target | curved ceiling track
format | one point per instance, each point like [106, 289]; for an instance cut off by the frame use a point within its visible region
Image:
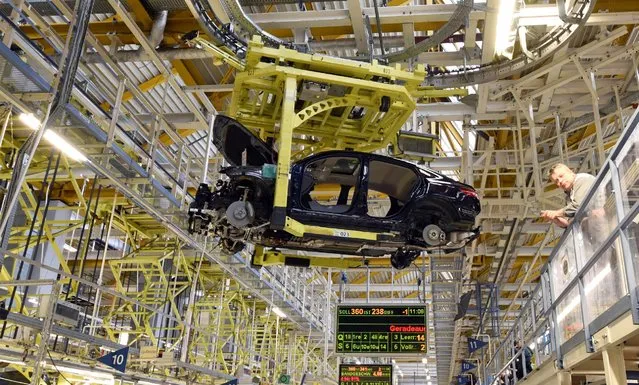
[220, 36]
[561, 10]
[554, 40]
[548, 45]
[236, 13]
[456, 21]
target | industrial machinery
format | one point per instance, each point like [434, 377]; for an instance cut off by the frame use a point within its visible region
[348, 202]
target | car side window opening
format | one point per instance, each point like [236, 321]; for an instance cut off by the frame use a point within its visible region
[389, 188]
[329, 184]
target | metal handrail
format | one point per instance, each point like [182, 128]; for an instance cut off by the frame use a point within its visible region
[547, 323]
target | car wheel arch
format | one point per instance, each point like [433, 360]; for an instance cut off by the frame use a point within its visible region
[444, 211]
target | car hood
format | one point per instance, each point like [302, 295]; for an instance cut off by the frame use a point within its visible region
[232, 139]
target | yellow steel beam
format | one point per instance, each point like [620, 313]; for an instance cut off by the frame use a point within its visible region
[144, 87]
[431, 92]
[445, 128]
[455, 134]
[141, 15]
[276, 258]
[220, 53]
[330, 65]
[177, 26]
[299, 229]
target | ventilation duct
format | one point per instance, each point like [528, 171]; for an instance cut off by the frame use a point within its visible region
[157, 31]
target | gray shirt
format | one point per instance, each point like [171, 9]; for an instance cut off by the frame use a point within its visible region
[575, 197]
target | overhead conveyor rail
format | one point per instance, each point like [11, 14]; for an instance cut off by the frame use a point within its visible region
[586, 304]
[573, 21]
[547, 46]
[220, 35]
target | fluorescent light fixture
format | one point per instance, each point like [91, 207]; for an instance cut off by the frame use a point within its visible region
[430, 383]
[393, 360]
[278, 312]
[504, 38]
[30, 120]
[358, 362]
[64, 146]
[428, 377]
[424, 360]
[56, 140]
[69, 248]
[447, 275]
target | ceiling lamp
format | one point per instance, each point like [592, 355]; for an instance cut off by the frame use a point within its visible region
[56, 140]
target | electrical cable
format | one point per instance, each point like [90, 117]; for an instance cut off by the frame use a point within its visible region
[56, 367]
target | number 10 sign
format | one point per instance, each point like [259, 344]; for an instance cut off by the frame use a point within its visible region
[117, 359]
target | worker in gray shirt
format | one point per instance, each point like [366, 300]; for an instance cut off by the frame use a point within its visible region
[576, 186]
[595, 226]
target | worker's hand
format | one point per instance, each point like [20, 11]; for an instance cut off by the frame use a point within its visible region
[550, 215]
[599, 213]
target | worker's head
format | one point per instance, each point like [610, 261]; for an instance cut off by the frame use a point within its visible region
[562, 176]
[517, 345]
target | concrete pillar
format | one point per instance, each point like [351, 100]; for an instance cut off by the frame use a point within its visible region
[614, 366]
[564, 378]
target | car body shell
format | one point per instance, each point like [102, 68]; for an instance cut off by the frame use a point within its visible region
[428, 197]
[432, 195]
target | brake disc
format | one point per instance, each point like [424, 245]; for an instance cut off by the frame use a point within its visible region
[240, 213]
[434, 235]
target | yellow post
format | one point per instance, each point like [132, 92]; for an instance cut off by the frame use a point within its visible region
[278, 217]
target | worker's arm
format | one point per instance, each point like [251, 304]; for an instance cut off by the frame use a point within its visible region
[551, 215]
[562, 222]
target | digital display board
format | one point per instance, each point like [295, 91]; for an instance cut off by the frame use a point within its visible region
[381, 329]
[366, 375]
